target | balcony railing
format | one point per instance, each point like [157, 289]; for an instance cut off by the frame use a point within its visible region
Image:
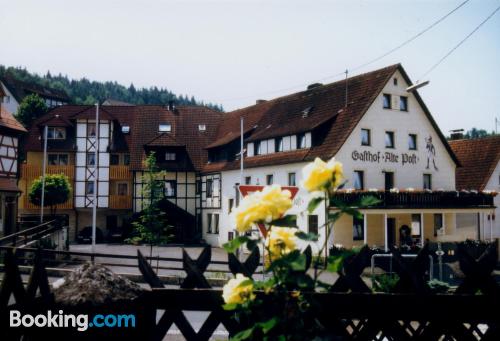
[120, 201]
[119, 172]
[34, 171]
[419, 199]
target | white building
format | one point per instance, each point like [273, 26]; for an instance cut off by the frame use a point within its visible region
[480, 171]
[385, 137]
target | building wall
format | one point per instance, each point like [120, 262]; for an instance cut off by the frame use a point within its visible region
[494, 184]
[9, 102]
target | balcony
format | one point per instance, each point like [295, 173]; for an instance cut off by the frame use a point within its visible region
[119, 173]
[31, 172]
[419, 199]
[120, 201]
[68, 205]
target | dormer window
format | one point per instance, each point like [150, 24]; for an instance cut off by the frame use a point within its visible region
[258, 148]
[165, 127]
[202, 127]
[169, 156]
[301, 141]
[56, 133]
[125, 129]
[278, 144]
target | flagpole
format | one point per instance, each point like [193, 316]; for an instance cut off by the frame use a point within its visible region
[96, 155]
[45, 133]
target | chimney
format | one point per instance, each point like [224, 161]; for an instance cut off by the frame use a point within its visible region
[456, 134]
[314, 85]
[259, 101]
[171, 105]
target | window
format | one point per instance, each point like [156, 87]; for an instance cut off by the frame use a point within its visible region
[386, 100]
[126, 159]
[58, 159]
[359, 181]
[427, 181]
[415, 224]
[202, 127]
[91, 130]
[210, 187]
[125, 129]
[301, 141]
[209, 222]
[358, 229]
[269, 179]
[258, 148]
[278, 144]
[122, 188]
[312, 223]
[291, 179]
[403, 103]
[114, 159]
[198, 187]
[389, 180]
[164, 127]
[90, 159]
[56, 133]
[412, 141]
[248, 180]
[230, 205]
[438, 223]
[169, 156]
[389, 139]
[365, 137]
[216, 223]
[395, 81]
[169, 189]
[89, 187]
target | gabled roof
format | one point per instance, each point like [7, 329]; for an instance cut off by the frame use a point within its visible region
[2, 93]
[20, 89]
[478, 157]
[110, 101]
[322, 106]
[7, 120]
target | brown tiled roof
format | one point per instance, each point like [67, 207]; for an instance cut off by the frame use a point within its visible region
[478, 157]
[143, 122]
[7, 120]
[322, 106]
[2, 93]
[20, 89]
[8, 185]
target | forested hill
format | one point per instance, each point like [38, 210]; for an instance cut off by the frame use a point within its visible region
[84, 91]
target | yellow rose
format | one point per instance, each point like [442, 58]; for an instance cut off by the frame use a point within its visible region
[262, 207]
[236, 291]
[281, 240]
[320, 175]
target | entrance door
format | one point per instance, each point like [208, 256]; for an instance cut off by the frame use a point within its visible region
[111, 222]
[391, 231]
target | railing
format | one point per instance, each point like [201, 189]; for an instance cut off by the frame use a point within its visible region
[119, 172]
[68, 205]
[418, 199]
[120, 201]
[30, 172]
[24, 237]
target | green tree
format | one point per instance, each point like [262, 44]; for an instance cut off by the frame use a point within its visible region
[151, 227]
[57, 191]
[31, 107]
[475, 133]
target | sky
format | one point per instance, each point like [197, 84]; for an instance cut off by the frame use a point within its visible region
[235, 52]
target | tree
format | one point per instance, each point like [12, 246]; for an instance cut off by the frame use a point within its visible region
[475, 133]
[31, 107]
[151, 227]
[57, 191]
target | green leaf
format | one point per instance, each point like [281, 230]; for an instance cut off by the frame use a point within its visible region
[245, 283]
[268, 325]
[232, 245]
[299, 264]
[313, 203]
[307, 236]
[369, 201]
[229, 306]
[251, 244]
[286, 221]
[333, 217]
[334, 263]
[244, 334]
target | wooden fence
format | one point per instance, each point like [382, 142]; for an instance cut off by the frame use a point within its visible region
[349, 311]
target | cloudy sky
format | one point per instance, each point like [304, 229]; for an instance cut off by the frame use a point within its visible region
[234, 52]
